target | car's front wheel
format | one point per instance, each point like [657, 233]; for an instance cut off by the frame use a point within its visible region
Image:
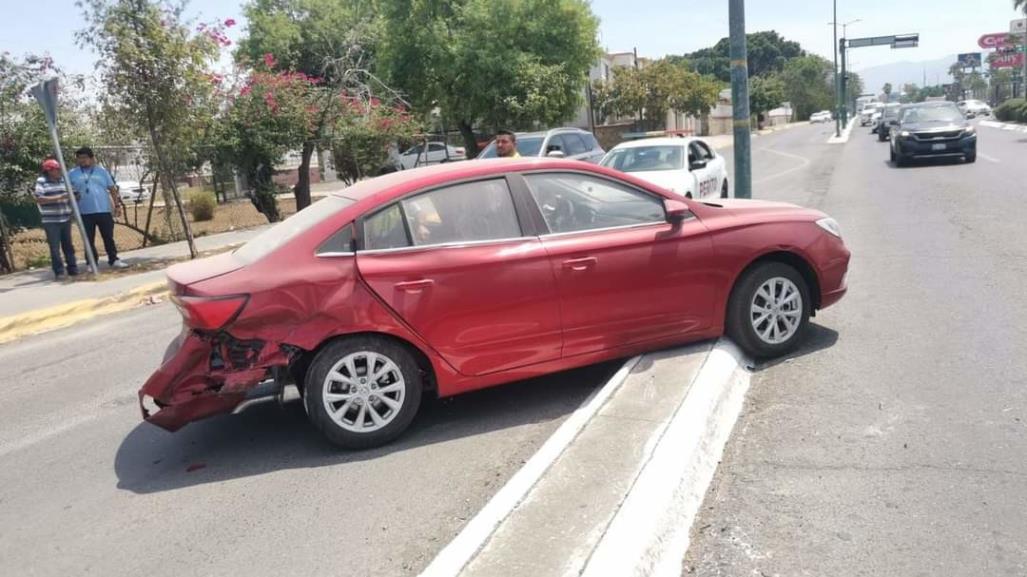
[769, 310]
[724, 190]
[362, 392]
[972, 155]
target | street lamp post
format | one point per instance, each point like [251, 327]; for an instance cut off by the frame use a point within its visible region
[839, 79]
[740, 100]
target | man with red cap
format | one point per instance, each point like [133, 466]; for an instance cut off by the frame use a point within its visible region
[55, 208]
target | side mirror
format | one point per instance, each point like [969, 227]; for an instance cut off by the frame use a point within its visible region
[677, 210]
[556, 153]
[697, 164]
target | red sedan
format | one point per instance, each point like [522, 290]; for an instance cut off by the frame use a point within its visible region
[452, 278]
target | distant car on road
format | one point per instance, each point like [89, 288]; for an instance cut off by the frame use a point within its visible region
[867, 114]
[572, 143]
[932, 129]
[687, 166]
[974, 108]
[889, 119]
[435, 153]
[466, 275]
[875, 122]
[822, 116]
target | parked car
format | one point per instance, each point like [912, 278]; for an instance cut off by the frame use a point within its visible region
[434, 153]
[133, 191]
[822, 116]
[686, 166]
[932, 129]
[462, 276]
[572, 143]
[889, 119]
[974, 108]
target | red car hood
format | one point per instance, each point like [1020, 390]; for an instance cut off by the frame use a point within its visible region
[749, 207]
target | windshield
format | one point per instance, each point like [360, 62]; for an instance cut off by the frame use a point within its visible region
[526, 146]
[646, 158]
[932, 114]
[266, 242]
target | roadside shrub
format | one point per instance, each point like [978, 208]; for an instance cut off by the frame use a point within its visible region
[202, 205]
[1012, 110]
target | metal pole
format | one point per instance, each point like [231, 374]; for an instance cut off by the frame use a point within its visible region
[845, 108]
[71, 199]
[740, 100]
[837, 89]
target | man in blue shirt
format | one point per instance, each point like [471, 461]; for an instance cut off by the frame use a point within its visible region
[97, 196]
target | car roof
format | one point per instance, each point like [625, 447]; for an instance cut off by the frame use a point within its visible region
[543, 133]
[657, 141]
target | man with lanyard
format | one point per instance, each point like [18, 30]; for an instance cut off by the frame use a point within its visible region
[55, 209]
[97, 196]
[506, 144]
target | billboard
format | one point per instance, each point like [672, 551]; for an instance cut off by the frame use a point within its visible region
[1018, 26]
[1006, 60]
[969, 60]
[995, 41]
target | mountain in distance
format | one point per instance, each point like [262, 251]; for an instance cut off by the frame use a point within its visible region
[900, 73]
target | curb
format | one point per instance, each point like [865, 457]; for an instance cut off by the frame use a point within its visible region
[62, 316]
[846, 133]
[1004, 125]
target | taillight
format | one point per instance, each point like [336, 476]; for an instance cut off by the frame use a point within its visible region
[210, 313]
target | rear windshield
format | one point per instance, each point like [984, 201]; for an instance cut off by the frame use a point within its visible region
[526, 146]
[646, 158]
[278, 235]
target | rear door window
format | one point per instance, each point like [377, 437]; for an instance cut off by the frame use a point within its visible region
[475, 211]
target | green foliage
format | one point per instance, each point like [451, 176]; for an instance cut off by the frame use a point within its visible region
[504, 64]
[202, 205]
[808, 84]
[1012, 110]
[765, 93]
[362, 137]
[768, 52]
[655, 89]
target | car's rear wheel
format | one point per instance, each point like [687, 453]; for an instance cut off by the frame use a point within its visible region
[362, 392]
[769, 310]
[724, 190]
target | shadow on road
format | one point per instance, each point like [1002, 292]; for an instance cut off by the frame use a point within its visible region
[818, 338]
[266, 438]
[920, 162]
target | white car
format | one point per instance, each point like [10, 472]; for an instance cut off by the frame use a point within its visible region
[822, 116]
[687, 166]
[132, 191]
[974, 108]
[436, 153]
[866, 115]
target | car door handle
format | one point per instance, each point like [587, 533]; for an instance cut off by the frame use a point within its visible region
[580, 264]
[414, 286]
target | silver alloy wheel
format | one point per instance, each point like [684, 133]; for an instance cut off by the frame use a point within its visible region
[776, 310]
[364, 392]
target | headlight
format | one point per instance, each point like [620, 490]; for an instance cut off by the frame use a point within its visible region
[904, 134]
[970, 130]
[831, 226]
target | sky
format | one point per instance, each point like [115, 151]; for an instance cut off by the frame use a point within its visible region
[654, 27]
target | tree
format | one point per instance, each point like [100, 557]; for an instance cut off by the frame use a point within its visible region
[320, 39]
[655, 89]
[808, 85]
[501, 64]
[765, 94]
[854, 88]
[886, 89]
[155, 70]
[768, 52]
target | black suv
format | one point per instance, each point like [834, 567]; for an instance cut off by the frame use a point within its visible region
[932, 129]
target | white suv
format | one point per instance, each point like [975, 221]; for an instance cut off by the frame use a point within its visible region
[572, 143]
[973, 108]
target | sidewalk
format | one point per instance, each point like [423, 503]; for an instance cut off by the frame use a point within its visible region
[36, 290]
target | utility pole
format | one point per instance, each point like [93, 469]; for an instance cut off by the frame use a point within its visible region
[837, 84]
[740, 99]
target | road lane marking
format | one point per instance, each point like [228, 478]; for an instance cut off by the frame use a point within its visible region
[988, 158]
[805, 162]
[455, 556]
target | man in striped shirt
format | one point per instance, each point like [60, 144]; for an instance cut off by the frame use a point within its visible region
[55, 208]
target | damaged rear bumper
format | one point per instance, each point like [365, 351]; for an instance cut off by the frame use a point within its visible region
[204, 375]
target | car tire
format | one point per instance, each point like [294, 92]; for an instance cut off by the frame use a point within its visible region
[774, 333]
[891, 151]
[724, 190]
[972, 156]
[357, 398]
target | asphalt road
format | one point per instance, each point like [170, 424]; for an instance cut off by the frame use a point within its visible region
[895, 442]
[86, 488]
